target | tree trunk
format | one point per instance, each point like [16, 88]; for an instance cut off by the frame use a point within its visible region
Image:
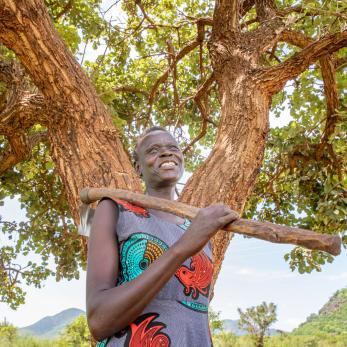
[85, 146]
[90, 154]
[260, 341]
[229, 172]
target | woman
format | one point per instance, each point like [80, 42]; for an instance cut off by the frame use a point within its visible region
[149, 271]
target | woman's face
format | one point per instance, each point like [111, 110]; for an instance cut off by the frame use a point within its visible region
[160, 160]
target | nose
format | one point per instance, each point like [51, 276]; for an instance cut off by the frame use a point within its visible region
[165, 152]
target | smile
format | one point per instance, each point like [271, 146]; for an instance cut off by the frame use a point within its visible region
[168, 164]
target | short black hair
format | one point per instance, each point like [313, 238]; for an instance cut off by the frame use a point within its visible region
[142, 136]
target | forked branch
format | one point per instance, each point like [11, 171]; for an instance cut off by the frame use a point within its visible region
[273, 79]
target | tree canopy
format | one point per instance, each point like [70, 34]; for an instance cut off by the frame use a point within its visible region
[257, 320]
[153, 62]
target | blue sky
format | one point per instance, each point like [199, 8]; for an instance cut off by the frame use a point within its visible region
[253, 271]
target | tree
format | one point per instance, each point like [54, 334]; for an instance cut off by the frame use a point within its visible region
[216, 324]
[257, 319]
[8, 333]
[211, 72]
[76, 334]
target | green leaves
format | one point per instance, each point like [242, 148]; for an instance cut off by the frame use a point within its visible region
[330, 320]
[303, 181]
[214, 320]
[257, 319]
[305, 261]
[76, 334]
[48, 230]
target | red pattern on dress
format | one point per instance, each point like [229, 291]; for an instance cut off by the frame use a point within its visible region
[133, 208]
[145, 334]
[198, 277]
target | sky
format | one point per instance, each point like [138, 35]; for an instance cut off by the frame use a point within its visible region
[253, 271]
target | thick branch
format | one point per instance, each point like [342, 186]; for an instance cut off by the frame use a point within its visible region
[330, 88]
[22, 108]
[22, 113]
[295, 38]
[75, 108]
[327, 67]
[27, 29]
[271, 26]
[19, 149]
[273, 79]
[331, 94]
[226, 18]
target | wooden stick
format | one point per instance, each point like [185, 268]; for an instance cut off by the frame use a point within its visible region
[261, 230]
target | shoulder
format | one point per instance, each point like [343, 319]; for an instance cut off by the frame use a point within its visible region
[106, 213]
[108, 204]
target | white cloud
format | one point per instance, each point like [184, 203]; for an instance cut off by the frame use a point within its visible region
[253, 273]
[337, 277]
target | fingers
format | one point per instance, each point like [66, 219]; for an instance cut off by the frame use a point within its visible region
[220, 213]
[229, 218]
[224, 210]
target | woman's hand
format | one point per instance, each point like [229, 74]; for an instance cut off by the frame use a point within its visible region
[206, 223]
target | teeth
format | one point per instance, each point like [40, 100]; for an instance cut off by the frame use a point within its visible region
[168, 164]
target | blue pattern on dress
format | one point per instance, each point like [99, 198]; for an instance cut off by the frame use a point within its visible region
[138, 252]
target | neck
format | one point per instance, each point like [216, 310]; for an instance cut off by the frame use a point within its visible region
[167, 192]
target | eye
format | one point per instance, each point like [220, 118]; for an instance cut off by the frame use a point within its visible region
[153, 150]
[174, 148]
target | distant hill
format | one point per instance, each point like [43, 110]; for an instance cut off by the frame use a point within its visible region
[331, 319]
[50, 326]
[232, 326]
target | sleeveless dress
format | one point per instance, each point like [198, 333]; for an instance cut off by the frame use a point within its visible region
[178, 315]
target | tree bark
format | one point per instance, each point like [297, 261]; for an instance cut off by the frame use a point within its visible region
[229, 172]
[85, 146]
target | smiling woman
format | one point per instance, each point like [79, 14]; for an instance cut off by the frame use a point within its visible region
[158, 160]
[149, 271]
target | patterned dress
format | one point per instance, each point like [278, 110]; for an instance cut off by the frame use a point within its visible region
[177, 316]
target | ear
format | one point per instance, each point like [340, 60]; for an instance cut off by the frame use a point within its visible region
[138, 168]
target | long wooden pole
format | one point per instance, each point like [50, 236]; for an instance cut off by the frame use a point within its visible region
[261, 230]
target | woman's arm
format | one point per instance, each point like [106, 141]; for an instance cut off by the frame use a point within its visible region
[110, 308]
